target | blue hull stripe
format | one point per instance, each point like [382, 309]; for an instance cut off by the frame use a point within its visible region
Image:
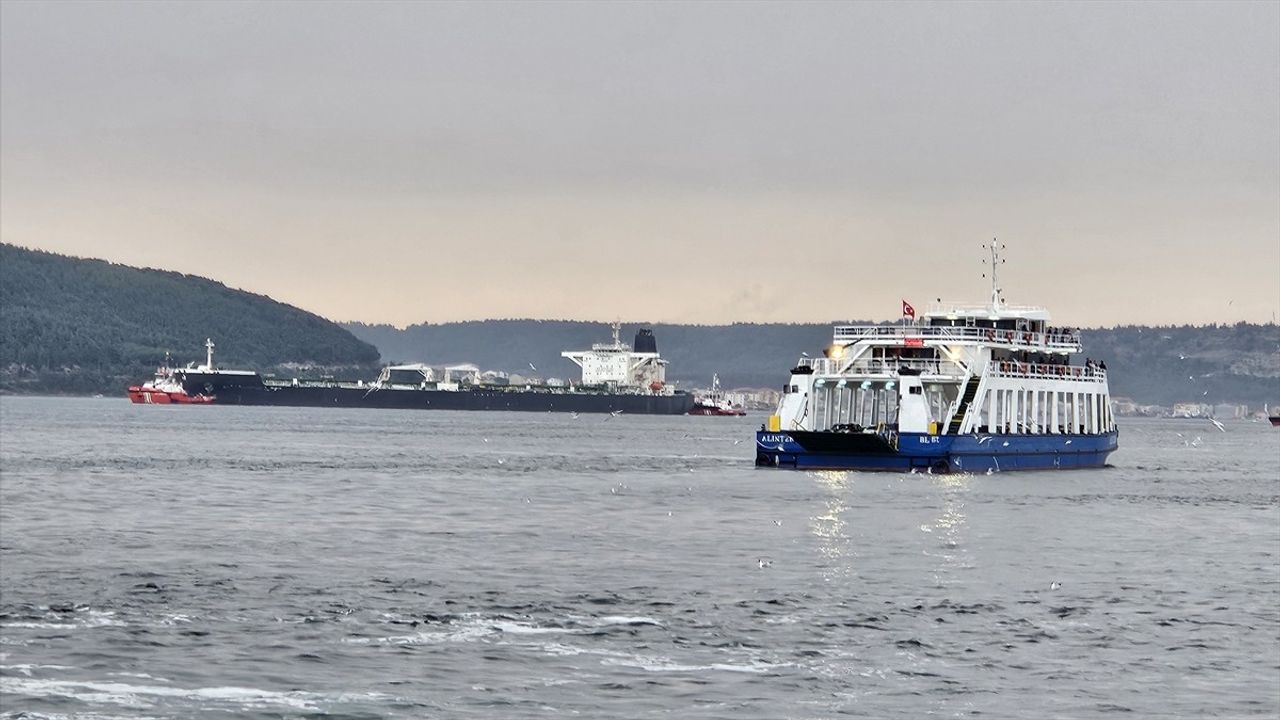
[941, 453]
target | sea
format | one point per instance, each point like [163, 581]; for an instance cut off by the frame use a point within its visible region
[243, 562]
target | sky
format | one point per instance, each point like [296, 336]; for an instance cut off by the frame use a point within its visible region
[671, 162]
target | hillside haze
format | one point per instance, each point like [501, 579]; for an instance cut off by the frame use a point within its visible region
[79, 325]
[70, 325]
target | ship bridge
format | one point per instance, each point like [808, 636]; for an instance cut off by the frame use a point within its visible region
[615, 364]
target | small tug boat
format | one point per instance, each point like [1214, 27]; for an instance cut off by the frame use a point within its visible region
[166, 388]
[714, 402]
[966, 388]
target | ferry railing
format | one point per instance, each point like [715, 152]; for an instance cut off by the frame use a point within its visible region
[836, 366]
[1043, 371]
[1057, 340]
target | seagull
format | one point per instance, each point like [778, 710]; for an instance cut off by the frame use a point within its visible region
[1055, 585]
[778, 523]
[990, 471]
[762, 563]
[1181, 356]
[531, 367]
[804, 354]
[984, 439]
[739, 440]
[574, 414]
[1068, 442]
[486, 439]
[501, 461]
[1006, 443]
[615, 413]
[1217, 424]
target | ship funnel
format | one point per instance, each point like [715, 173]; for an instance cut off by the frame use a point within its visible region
[645, 342]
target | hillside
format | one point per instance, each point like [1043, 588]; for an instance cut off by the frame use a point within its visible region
[1153, 365]
[72, 325]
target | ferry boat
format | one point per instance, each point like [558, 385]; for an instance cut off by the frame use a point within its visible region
[615, 379]
[714, 402]
[963, 388]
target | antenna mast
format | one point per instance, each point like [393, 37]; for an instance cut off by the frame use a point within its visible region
[996, 300]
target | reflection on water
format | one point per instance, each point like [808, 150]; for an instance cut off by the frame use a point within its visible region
[949, 526]
[830, 526]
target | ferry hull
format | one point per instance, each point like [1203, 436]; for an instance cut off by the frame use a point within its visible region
[921, 452]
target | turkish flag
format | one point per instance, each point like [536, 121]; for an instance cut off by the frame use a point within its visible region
[907, 310]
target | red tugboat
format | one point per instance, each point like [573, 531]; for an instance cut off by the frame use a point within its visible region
[166, 388]
[714, 402]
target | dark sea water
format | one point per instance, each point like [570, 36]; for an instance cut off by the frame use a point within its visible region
[264, 562]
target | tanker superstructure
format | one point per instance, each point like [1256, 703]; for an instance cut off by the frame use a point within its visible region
[965, 388]
[615, 379]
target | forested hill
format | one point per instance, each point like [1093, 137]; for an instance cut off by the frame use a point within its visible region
[1153, 365]
[79, 326]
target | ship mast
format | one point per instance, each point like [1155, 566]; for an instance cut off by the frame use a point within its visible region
[208, 343]
[996, 300]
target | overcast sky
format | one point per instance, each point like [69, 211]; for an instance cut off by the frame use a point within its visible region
[697, 162]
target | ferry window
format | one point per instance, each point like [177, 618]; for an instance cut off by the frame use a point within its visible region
[917, 390]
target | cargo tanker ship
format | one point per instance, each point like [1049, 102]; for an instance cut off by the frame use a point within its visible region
[616, 378]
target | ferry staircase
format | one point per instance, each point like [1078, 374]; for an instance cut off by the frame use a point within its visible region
[957, 418]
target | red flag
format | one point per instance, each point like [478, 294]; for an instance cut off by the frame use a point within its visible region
[907, 310]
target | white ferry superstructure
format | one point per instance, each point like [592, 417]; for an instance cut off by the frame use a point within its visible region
[963, 388]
